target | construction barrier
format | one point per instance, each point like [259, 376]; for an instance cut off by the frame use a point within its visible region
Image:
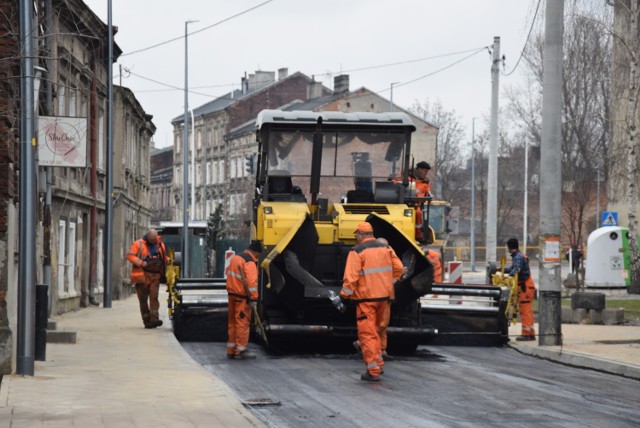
[455, 272]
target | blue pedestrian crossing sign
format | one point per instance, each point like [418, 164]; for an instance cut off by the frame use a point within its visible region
[609, 218]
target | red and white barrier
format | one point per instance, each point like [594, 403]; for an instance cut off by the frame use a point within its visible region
[455, 272]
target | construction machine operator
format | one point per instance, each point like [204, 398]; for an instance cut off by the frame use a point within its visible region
[368, 280]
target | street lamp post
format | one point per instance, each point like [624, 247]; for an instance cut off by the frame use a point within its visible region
[185, 159]
[473, 196]
[391, 96]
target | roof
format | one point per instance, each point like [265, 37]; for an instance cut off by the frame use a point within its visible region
[301, 117]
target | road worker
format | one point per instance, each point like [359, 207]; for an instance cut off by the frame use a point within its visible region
[526, 289]
[436, 260]
[149, 259]
[242, 291]
[423, 190]
[368, 281]
[382, 327]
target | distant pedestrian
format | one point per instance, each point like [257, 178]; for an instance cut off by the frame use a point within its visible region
[369, 273]
[574, 255]
[526, 289]
[149, 259]
[242, 291]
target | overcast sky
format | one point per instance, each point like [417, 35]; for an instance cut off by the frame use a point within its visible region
[375, 42]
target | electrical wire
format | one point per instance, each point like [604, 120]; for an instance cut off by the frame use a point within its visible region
[197, 31]
[373, 67]
[438, 70]
[535, 15]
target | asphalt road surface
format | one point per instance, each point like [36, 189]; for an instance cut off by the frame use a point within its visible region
[436, 387]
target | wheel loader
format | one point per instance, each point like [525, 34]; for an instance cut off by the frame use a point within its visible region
[319, 174]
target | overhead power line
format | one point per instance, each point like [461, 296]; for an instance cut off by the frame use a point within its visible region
[526, 41]
[372, 67]
[197, 31]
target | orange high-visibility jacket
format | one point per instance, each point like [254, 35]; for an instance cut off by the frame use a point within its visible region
[243, 267]
[369, 272]
[436, 260]
[139, 251]
[423, 188]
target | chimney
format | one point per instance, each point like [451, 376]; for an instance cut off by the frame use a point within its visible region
[260, 79]
[314, 90]
[282, 73]
[341, 84]
[244, 84]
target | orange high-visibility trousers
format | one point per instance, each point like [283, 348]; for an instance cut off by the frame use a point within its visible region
[382, 327]
[369, 316]
[525, 298]
[239, 321]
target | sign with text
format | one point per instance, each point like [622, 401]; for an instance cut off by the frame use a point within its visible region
[62, 141]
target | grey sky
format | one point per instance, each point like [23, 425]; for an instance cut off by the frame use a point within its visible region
[320, 38]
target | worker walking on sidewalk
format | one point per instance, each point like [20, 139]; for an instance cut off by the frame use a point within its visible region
[149, 258]
[368, 281]
[526, 289]
[242, 290]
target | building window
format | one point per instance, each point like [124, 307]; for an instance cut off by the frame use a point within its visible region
[62, 97]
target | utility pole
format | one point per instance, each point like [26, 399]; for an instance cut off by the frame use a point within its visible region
[27, 252]
[550, 333]
[526, 197]
[472, 217]
[108, 215]
[492, 185]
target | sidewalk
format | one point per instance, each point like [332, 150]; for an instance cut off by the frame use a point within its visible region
[608, 348]
[119, 374]
[612, 349]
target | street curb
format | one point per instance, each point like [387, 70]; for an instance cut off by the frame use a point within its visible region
[556, 354]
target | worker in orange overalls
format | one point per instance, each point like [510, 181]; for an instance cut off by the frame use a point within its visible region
[526, 289]
[368, 281]
[242, 291]
[436, 260]
[423, 190]
[384, 323]
[149, 258]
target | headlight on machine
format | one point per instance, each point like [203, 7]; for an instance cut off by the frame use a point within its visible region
[268, 210]
[408, 213]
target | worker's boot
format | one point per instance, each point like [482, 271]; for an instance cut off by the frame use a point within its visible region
[146, 320]
[369, 377]
[245, 355]
[526, 338]
[154, 319]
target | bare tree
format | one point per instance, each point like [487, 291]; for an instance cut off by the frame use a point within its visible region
[586, 115]
[625, 104]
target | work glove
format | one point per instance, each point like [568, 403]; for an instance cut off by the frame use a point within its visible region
[254, 306]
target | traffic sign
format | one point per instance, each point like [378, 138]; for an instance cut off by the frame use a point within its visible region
[609, 218]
